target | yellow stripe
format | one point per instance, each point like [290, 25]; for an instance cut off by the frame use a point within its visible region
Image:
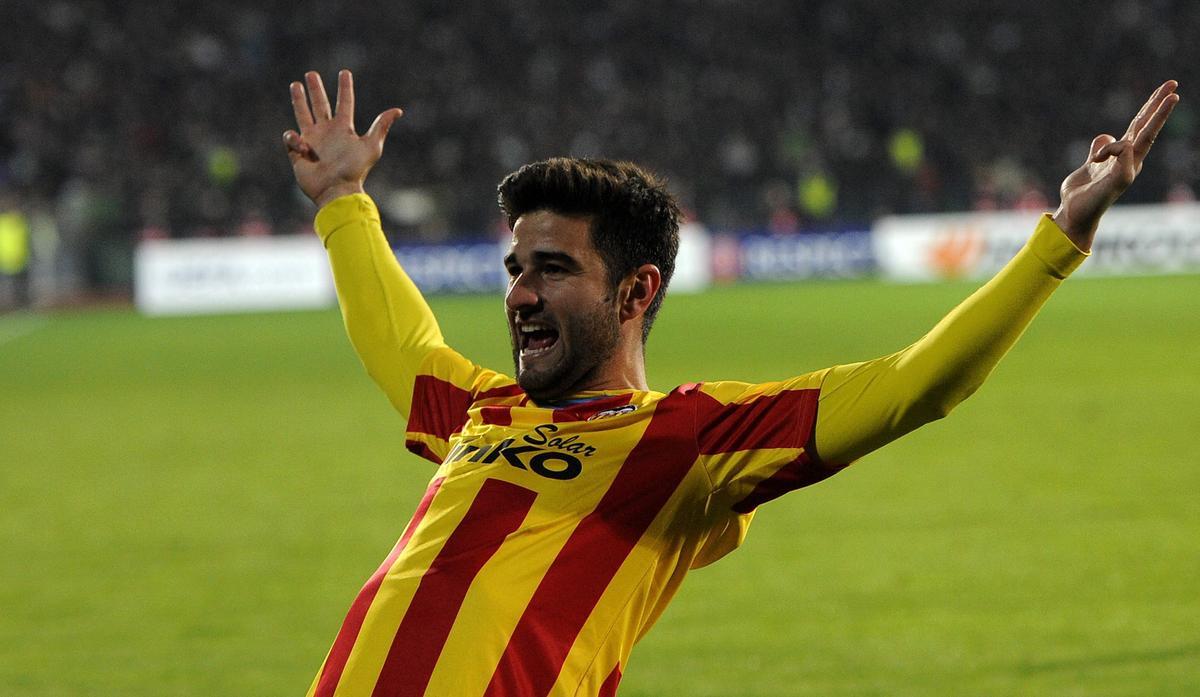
[639, 592]
[732, 392]
[743, 470]
[496, 600]
[396, 592]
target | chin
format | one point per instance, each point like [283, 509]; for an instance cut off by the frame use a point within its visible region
[555, 381]
[539, 385]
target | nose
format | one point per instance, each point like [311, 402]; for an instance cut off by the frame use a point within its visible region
[521, 295]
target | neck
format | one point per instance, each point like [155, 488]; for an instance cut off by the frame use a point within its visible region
[624, 370]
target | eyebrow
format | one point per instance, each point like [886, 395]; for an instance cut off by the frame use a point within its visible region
[541, 257]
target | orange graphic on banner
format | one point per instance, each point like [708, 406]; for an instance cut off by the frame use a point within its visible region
[955, 251]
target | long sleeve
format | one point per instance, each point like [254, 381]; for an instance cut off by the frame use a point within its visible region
[863, 406]
[389, 323]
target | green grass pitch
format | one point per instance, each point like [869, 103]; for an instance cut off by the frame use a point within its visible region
[188, 506]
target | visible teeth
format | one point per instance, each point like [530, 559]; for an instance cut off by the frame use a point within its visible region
[530, 328]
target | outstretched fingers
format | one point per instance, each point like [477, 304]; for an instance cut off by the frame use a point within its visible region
[304, 117]
[1143, 129]
[316, 94]
[1148, 132]
[345, 97]
[1144, 114]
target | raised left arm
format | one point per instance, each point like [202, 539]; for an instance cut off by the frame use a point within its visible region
[863, 406]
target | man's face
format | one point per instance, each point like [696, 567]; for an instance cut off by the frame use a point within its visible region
[562, 316]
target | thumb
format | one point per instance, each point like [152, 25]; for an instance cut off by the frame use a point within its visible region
[1114, 149]
[1098, 144]
[296, 147]
[379, 128]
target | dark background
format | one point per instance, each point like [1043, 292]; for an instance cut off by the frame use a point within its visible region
[122, 121]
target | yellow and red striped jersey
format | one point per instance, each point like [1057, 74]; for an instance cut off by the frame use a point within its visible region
[551, 537]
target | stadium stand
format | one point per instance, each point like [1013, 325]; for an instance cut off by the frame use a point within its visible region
[123, 121]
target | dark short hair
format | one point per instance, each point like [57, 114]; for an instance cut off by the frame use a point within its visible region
[634, 219]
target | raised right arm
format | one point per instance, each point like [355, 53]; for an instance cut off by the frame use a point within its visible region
[390, 325]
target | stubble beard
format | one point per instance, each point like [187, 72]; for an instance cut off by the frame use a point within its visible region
[592, 340]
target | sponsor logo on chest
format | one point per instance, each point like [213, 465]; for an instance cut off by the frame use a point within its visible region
[540, 452]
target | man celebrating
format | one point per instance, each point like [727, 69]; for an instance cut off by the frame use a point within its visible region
[569, 504]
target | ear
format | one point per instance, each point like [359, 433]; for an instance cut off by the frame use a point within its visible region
[638, 290]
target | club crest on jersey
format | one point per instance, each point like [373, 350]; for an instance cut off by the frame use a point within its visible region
[553, 457]
[613, 412]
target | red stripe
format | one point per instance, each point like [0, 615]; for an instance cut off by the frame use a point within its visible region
[798, 473]
[596, 549]
[609, 688]
[439, 408]
[505, 391]
[496, 416]
[335, 663]
[783, 420]
[497, 511]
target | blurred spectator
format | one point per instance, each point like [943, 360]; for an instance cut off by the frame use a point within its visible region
[1181, 193]
[1031, 198]
[14, 254]
[782, 218]
[818, 195]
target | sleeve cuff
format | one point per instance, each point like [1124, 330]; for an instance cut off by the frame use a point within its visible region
[344, 211]
[1054, 249]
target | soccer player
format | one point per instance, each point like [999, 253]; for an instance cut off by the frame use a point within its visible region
[569, 503]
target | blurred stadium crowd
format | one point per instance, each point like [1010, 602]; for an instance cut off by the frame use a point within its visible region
[125, 121]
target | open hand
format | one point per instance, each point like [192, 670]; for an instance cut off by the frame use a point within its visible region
[1110, 168]
[328, 157]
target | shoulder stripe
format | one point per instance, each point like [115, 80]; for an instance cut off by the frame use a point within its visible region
[439, 408]
[781, 420]
[513, 390]
[497, 511]
[595, 551]
[496, 416]
[335, 663]
[798, 473]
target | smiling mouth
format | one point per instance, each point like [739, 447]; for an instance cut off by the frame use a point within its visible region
[536, 339]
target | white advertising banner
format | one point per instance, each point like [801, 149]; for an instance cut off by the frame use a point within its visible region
[1132, 240]
[693, 263]
[232, 275]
